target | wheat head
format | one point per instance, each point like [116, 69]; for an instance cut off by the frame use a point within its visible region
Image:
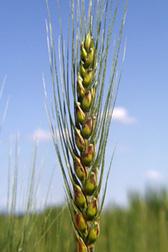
[84, 92]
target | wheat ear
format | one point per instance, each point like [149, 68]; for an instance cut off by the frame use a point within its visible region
[84, 94]
[85, 196]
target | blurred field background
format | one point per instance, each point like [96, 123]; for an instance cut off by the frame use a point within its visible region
[141, 226]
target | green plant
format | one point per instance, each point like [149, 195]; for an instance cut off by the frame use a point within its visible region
[84, 92]
[23, 231]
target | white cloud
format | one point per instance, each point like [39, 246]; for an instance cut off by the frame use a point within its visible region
[41, 135]
[121, 114]
[153, 175]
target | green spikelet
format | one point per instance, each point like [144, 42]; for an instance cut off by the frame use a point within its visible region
[81, 224]
[88, 78]
[93, 233]
[81, 247]
[91, 183]
[80, 141]
[79, 169]
[88, 154]
[86, 101]
[87, 128]
[80, 115]
[92, 209]
[79, 197]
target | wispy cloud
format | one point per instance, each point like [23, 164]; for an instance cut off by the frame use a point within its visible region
[153, 175]
[121, 115]
[41, 135]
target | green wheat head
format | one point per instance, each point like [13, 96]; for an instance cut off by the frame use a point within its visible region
[84, 93]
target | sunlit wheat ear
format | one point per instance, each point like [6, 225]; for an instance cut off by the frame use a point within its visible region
[84, 87]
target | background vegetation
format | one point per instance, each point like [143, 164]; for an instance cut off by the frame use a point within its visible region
[142, 226]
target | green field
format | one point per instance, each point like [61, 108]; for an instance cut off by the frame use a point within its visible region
[142, 226]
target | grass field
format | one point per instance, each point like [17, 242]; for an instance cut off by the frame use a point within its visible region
[142, 226]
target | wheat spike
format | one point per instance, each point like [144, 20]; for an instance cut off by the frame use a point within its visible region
[86, 219]
[82, 109]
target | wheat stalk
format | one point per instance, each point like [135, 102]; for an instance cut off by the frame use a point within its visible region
[84, 92]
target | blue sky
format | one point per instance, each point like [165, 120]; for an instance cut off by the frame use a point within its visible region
[141, 121]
